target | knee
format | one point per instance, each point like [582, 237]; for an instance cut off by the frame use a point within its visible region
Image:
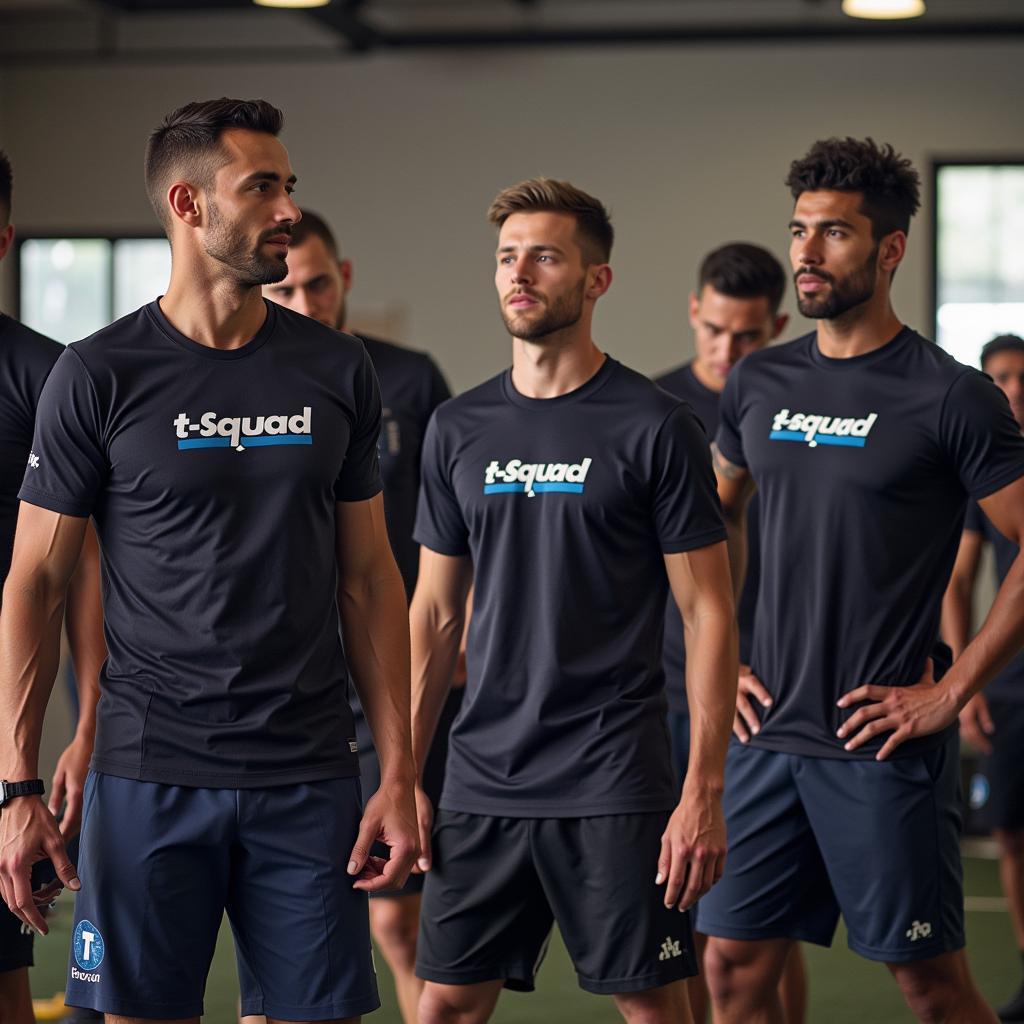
[445, 1005]
[665, 1005]
[1010, 843]
[395, 927]
[737, 971]
[934, 992]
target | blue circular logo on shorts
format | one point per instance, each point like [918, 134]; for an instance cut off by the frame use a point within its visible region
[88, 946]
[979, 792]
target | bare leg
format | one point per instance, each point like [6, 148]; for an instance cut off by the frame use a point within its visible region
[793, 987]
[458, 1004]
[16, 997]
[942, 991]
[697, 988]
[668, 1004]
[743, 978]
[394, 922]
[1011, 873]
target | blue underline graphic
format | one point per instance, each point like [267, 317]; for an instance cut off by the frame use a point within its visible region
[793, 435]
[537, 488]
[245, 442]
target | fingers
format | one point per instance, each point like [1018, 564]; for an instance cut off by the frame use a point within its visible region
[871, 730]
[892, 743]
[971, 730]
[985, 717]
[664, 863]
[863, 693]
[424, 824]
[66, 871]
[57, 791]
[23, 906]
[739, 728]
[746, 717]
[756, 689]
[861, 717]
[369, 827]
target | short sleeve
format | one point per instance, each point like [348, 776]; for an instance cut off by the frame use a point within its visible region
[980, 436]
[440, 524]
[974, 521]
[687, 514]
[68, 464]
[729, 437]
[360, 478]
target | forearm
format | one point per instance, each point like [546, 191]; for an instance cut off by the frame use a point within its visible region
[711, 674]
[33, 609]
[374, 619]
[956, 616]
[436, 632]
[736, 542]
[84, 626]
[995, 644]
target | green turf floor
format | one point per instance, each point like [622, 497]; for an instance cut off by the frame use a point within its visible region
[844, 989]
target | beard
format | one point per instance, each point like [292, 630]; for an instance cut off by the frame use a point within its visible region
[562, 312]
[229, 245]
[853, 290]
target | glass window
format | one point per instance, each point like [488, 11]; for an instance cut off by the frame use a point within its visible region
[979, 262]
[71, 287]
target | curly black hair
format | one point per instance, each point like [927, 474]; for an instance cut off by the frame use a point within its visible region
[890, 185]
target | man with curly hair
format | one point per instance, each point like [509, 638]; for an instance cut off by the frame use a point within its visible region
[865, 442]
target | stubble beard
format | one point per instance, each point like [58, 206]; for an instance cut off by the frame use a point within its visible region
[854, 290]
[230, 247]
[564, 311]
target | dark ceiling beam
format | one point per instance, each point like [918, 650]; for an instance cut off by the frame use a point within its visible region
[343, 17]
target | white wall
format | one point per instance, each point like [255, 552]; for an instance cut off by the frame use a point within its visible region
[687, 145]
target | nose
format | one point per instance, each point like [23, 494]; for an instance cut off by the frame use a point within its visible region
[288, 211]
[521, 270]
[807, 250]
[301, 303]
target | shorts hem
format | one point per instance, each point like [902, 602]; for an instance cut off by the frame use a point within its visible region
[906, 955]
[643, 983]
[16, 963]
[722, 931]
[518, 977]
[131, 1008]
[327, 1011]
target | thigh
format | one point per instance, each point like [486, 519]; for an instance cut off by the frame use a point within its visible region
[1004, 768]
[484, 916]
[154, 868]
[598, 874]
[775, 884]
[889, 832]
[302, 933]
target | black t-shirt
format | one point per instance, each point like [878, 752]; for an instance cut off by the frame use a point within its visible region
[26, 359]
[411, 388]
[567, 506]
[864, 467]
[1008, 685]
[212, 476]
[683, 383]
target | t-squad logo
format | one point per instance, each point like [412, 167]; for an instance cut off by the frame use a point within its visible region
[241, 432]
[535, 478]
[812, 429]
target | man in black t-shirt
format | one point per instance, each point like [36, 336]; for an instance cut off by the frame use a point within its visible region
[733, 312]
[26, 359]
[573, 492]
[411, 387]
[227, 450]
[865, 442]
[993, 721]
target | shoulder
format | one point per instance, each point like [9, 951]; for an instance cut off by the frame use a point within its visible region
[27, 344]
[390, 353]
[675, 381]
[479, 400]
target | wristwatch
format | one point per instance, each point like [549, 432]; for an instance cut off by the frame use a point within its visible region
[9, 790]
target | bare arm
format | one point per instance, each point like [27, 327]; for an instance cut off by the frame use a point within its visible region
[925, 707]
[46, 550]
[436, 620]
[374, 623]
[958, 599]
[693, 847]
[735, 487]
[84, 626]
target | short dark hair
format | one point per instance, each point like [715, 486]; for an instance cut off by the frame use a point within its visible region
[187, 142]
[890, 185]
[744, 271]
[313, 225]
[1002, 343]
[536, 195]
[6, 186]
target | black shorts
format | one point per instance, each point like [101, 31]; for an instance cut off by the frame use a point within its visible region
[498, 884]
[433, 778]
[996, 790]
[15, 942]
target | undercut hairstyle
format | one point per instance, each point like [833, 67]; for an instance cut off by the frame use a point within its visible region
[888, 182]
[744, 271]
[1002, 343]
[187, 144]
[313, 225]
[6, 187]
[594, 231]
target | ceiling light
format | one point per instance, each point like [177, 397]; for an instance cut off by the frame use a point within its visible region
[291, 4]
[887, 10]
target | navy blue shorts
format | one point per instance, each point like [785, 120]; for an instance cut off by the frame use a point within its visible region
[813, 837]
[159, 866]
[997, 789]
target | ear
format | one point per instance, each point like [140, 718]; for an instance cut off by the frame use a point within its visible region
[779, 325]
[6, 238]
[185, 205]
[891, 251]
[599, 280]
[694, 310]
[345, 266]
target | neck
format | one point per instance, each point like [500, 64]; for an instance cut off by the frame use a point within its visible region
[212, 309]
[556, 365]
[859, 330]
[708, 379]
